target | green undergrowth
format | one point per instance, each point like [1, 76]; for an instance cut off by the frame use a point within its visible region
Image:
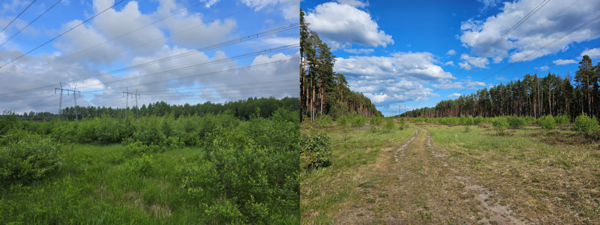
[235, 172]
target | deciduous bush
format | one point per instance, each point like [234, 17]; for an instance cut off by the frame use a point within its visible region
[32, 158]
[500, 124]
[319, 145]
[402, 124]
[358, 120]
[515, 122]
[546, 122]
[389, 126]
[530, 119]
[562, 119]
[342, 120]
[478, 120]
[470, 120]
[376, 120]
[585, 124]
[140, 166]
[244, 182]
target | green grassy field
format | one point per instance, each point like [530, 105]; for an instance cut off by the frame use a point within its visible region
[96, 187]
[463, 176]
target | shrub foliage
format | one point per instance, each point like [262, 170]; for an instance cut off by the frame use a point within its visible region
[32, 158]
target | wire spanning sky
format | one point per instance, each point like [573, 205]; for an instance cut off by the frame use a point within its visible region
[92, 57]
[417, 53]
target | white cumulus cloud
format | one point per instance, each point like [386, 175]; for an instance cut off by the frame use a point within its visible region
[341, 25]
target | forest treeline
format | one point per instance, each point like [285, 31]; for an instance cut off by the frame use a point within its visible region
[242, 109]
[323, 91]
[532, 96]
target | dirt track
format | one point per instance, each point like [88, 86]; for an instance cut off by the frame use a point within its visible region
[424, 188]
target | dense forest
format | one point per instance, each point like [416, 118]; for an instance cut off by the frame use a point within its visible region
[242, 109]
[323, 91]
[533, 96]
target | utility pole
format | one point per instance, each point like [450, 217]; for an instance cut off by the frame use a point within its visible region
[60, 102]
[136, 95]
[75, 99]
[75, 92]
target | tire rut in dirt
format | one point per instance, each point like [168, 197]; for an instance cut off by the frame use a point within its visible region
[402, 149]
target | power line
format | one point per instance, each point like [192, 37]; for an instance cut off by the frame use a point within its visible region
[514, 27]
[567, 34]
[203, 64]
[188, 53]
[538, 50]
[17, 16]
[551, 18]
[570, 57]
[94, 16]
[271, 88]
[158, 39]
[125, 34]
[222, 71]
[30, 23]
[217, 72]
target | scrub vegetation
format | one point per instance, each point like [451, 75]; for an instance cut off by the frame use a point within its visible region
[218, 168]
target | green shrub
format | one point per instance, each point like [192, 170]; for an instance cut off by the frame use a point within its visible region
[389, 125]
[516, 122]
[402, 124]
[376, 120]
[32, 158]
[358, 120]
[530, 119]
[317, 147]
[245, 177]
[478, 120]
[462, 120]
[467, 129]
[500, 124]
[374, 129]
[342, 120]
[546, 122]
[584, 124]
[325, 120]
[470, 120]
[140, 166]
[562, 119]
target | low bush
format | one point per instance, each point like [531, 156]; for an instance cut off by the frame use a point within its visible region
[140, 166]
[358, 120]
[374, 129]
[515, 122]
[317, 147]
[342, 120]
[546, 122]
[470, 120]
[530, 119]
[467, 129]
[585, 124]
[478, 120]
[500, 124]
[32, 158]
[389, 125]
[243, 183]
[562, 119]
[462, 120]
[401, 124]
[376, 120]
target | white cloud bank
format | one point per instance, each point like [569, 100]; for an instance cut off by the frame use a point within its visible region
[341, 25]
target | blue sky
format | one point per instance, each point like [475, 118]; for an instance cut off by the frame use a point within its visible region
[31, 80]
[409, 52]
